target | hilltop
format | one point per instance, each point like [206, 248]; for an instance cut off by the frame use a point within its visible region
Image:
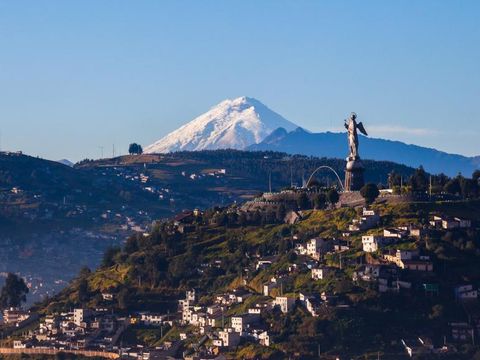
[343, 313]
[56, 218]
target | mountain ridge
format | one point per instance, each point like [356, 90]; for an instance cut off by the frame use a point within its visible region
[233, 123]
[331, 144]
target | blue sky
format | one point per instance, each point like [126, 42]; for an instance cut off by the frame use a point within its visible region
[77, 75]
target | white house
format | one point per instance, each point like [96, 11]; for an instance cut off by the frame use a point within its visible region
[152, 319]
[285, 303]
[240, 323]
[320, 273]
[264, 338]
[229, 337]
[372, 243]
[396, 233]
[311, 302]
[316, 246]
[80, 315]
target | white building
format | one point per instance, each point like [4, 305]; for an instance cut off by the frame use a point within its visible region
[285, 303]
[228, 338]
[240, 323]
[152, 319]
[320, 273]
[15, 315]
[317, 246]
[371, 243]
[80, 315]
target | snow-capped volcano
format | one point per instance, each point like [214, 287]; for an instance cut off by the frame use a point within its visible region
[232, 124]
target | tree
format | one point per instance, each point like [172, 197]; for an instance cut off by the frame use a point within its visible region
[332, 196]
[131, 245]
[468, 187]
[319, 201]
[453, 186]
[135, 149]
[281, 212]
[84, 272]
[394, 180]
[369, 192]
[231, 244]
[83, 293]
[419, 180]
[14, 292]
[109, 256]
[302, 201]
[123, 298]
[476, 176]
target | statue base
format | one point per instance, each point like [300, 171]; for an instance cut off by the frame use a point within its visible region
[354, 174]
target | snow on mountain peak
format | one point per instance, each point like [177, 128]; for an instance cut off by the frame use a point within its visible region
[233, 124]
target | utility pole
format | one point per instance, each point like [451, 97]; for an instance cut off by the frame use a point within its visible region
[113, 150]
[101, 151]
[430, 188]
[270, 181]
[291, 176]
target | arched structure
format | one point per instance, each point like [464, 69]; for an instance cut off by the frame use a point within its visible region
[325, 167]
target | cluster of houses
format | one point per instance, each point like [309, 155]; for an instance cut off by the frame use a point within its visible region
[217, 173]
[75, 330]
[224, 329]
[227, 331]
[17, 317]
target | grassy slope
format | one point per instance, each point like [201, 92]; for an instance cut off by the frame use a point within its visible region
[365, 322]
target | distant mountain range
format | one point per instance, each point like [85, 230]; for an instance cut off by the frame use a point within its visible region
[334, 145]
[246, 124]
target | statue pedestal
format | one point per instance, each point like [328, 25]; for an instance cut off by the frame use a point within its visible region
[354, 174]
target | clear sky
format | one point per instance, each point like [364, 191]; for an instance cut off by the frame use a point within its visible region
[77, 75]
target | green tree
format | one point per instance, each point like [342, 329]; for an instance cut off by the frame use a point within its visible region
[123, 298]
[109, 256]
[131, 245]
[281, 212]
[369, 192]
[135, 149]
[83, 292]
[231, 244]
[320, 201]
[468, 188]
[302, 201]
[332, 196]
[84, 272]
[14, 292]
[394, 180]
[453, 187]
[419, 180]
[476, 176]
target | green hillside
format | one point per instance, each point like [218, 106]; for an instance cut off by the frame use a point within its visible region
[153, 272]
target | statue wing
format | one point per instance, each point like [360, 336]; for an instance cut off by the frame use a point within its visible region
[362, 129]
